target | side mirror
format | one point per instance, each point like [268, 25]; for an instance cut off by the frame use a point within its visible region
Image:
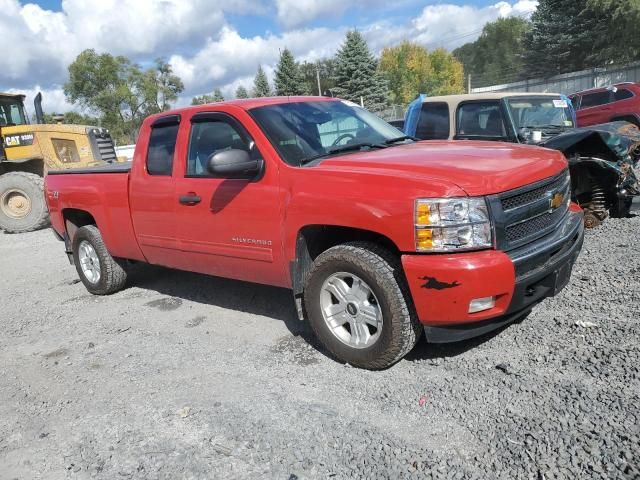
[233, 163]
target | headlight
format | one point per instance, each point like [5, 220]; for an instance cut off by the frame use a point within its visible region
[447, 224]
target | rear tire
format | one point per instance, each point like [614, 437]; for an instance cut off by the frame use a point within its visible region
[100, 273]
[22, 205]
[376, 288]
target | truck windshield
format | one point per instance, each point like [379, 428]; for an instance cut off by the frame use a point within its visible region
[540, 112]
[11, 112]
[304, 131]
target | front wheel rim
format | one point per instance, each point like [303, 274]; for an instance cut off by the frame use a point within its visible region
[351, 310]
[89, 262]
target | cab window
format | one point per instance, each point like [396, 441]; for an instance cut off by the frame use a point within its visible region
[480, 119]
[214, 133]
[433, 123]
[162, 145]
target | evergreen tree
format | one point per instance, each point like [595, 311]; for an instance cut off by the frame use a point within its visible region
[288, 79]
[216, 96]
[616, 40]
[357, 75]
[261, 86]
[241, 92]
[561, 38]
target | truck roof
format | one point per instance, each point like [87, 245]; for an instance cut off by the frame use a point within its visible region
[13, 95]
[455, 99]
[249, 103]
[606, 87]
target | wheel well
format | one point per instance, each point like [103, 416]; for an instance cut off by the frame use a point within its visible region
[312, 240]
[35, 166]
[582, 176]
[74, 219]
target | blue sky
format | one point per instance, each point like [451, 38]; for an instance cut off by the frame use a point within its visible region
[213, 44]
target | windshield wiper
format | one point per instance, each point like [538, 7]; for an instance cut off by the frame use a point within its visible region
[400, 139]
[342, 149]
[547, 127]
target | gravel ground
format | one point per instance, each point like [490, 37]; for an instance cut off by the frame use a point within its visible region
[186, 376]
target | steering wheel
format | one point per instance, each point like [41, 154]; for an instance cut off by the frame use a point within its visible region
[342, 137]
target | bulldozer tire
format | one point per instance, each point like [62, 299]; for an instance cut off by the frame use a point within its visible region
[22, 205]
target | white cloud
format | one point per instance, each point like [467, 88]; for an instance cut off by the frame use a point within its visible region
[205, 50]
[449, 26]
[232, 60]
[44, 42]
[53, 99]
[293, 13]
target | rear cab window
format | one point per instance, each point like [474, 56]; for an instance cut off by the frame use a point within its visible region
[622, 94]
[433, 123]
[162, 145]
[479, 120]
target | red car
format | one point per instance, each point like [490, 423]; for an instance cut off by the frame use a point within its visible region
[603, 105]
[380, 237]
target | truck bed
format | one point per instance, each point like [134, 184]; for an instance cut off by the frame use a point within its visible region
[108, 168]
[105, 198]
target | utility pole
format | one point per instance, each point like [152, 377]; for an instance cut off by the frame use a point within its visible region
[318, 78]
[469, 83]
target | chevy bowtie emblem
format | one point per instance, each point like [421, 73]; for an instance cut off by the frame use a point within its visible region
[556, 201]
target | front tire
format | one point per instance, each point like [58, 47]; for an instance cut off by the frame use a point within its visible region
[22, 205]
[100, 273]
[359, 307]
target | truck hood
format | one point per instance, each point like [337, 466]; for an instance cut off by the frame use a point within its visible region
[479, 168]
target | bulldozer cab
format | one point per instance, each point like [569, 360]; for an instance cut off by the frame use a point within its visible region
[12, 110]
[29, 150]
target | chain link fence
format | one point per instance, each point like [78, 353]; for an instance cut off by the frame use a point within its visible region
[393, 112]
[569, 83]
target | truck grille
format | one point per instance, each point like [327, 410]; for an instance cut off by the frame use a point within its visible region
[533, 225]
[101, 144]
[518, 200]
[526, 214]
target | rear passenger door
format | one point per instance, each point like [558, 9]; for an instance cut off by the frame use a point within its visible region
[151, 192]
[595, 108]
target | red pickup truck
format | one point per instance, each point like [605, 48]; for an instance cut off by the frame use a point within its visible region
[380, 237]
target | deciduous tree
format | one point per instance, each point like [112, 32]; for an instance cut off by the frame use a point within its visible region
[119, 92]
[407, 68]
[497, 56]
[326, 69]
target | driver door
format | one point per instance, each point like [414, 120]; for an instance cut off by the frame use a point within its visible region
[225, 226]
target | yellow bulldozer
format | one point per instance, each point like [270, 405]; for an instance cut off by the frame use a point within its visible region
[28, 151]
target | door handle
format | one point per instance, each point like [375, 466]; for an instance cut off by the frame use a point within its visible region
[190, 199]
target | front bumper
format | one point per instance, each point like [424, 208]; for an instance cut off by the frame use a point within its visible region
[442, 286]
